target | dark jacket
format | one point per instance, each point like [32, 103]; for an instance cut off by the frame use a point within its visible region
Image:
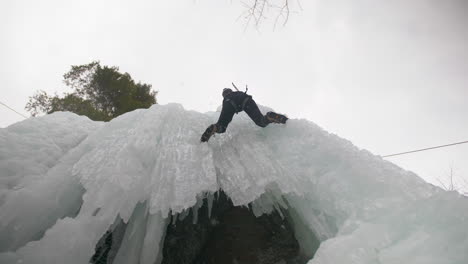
[237, 100]
[233, 103]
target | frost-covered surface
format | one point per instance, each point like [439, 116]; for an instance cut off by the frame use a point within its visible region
[34, 189]
[64, 180]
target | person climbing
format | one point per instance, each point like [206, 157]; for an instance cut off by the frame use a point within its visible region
[235, 102]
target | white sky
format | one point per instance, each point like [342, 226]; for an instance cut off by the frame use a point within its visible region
[390, 76]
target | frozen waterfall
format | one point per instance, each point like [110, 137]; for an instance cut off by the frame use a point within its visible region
[66, 180]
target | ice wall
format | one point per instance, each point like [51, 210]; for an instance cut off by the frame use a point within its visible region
[64, 180]
[34, 157]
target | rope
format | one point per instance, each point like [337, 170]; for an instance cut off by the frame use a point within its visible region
[386, 156]
[13, 110]
[418, 150]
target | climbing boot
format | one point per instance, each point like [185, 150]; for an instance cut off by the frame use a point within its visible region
[208, 133]
[276, 118]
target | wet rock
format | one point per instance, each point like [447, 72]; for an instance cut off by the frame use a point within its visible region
[232, 235]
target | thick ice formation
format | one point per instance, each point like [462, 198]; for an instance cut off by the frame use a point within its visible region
[64, 180]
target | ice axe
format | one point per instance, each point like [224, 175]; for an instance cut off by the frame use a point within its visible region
[235, 87]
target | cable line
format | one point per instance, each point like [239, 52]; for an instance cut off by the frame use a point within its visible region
[418, 150]
[13, 110]
[386, 156]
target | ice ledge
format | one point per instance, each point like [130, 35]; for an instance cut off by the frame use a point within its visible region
[155, 155]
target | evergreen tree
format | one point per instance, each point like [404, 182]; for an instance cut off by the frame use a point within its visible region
[99, 92]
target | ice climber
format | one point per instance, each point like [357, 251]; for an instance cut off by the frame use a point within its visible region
[235, 102]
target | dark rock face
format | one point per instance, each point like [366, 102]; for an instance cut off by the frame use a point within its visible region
[107, 247]
[184, 240]
[101, 254]
[231, 235]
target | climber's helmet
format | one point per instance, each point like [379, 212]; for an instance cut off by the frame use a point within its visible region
[226, 91]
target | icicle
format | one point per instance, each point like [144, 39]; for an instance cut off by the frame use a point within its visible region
[281, 202]
[195, 215]
[210, 204]
[174, 218]
[183, 214]
[132, 243]
[152, 246]
[278, 209]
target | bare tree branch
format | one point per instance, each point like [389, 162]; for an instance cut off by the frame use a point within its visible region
[443, 185]
[257, 10]
[453, 183]
[451, 179]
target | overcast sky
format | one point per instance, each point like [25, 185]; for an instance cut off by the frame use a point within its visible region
[390, 76]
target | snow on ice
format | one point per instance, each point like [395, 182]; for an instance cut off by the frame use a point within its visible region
[64, 180]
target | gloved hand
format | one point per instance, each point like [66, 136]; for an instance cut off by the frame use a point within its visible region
[208, 133]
